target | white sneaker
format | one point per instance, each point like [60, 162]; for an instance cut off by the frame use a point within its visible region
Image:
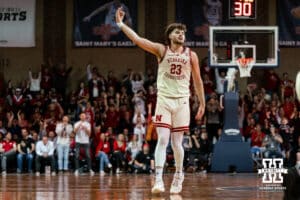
[76, 173]
[53, 173]
[102, 173]
[37, 173]
[118, 171]
[176, 185]
[158, 187]
[92, 172]
[109, 166]
[4, 173]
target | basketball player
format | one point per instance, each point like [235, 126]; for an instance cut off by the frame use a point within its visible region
[176, 64]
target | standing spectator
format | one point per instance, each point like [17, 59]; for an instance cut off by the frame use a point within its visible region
[287, 87]
[151, 97]
[137, 82]
[138, 101]
[45, 154]
[26, 149]
[271, 81]
[213, 117]
[119, 151]
[35, 83]
[112, 116]
[82, 130]
[12, 125]
[220, 81]
[46, 80]
[208, 86]
[63, 131]
[17, 99]
[144, 161]
[60, 79]
[139, 128]
[22, 121]
[8, 151]
[102, 152]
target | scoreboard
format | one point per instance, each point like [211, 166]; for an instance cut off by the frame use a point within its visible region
[242, 9]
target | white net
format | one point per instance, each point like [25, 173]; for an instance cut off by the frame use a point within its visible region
[245, 66]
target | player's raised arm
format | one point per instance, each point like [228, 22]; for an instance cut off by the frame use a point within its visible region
[198, 84]
[152, 47]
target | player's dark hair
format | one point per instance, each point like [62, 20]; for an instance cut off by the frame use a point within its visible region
[170, 28]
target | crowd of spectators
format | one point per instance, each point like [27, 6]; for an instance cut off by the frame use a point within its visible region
[106, 124]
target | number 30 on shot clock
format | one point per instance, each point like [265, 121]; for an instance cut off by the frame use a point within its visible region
[242, 9]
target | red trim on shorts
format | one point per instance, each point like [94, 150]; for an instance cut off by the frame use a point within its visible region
[179, 129]
[163, 125]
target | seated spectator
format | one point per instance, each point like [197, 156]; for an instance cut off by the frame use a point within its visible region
[144, 161]
[82, 131]
[272, 144]
[26, 148]
[63, 131]
[45, 155]
[8, 151]
[119, 151]
[134, 147]
[102, 152]
[257, 138]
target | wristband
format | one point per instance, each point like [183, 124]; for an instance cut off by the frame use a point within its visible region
[120, 24]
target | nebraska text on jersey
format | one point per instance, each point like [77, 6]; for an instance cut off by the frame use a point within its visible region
[174, 72]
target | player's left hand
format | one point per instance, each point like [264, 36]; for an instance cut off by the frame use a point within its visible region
[200, 112]
[120, 15]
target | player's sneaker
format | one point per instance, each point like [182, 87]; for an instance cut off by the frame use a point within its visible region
[158, 187]
[176, 185]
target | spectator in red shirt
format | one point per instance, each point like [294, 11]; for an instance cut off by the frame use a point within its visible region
[102, 152]
[119, 152]
[8, 151]
[46, 82]
[112, 117]
[250, 127]
[287, 87]
[257, 136]
[288, 107]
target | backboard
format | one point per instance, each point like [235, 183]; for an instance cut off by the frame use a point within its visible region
[229, 43]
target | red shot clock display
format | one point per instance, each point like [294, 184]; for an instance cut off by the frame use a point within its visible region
[242, 9]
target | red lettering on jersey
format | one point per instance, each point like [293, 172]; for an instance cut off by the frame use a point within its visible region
[158, 118]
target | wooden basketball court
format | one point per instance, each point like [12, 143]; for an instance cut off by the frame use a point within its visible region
[132, 186]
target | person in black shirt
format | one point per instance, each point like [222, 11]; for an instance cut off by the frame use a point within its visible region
[201, 148]
[144, 161]
[25, 149]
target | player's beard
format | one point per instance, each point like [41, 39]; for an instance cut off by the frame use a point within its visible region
[178, 42]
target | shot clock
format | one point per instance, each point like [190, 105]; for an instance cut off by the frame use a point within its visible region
[242, 9]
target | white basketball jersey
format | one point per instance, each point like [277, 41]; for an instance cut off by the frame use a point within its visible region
[174, 74]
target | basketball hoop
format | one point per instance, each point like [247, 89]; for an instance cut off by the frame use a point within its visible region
[245, 66]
